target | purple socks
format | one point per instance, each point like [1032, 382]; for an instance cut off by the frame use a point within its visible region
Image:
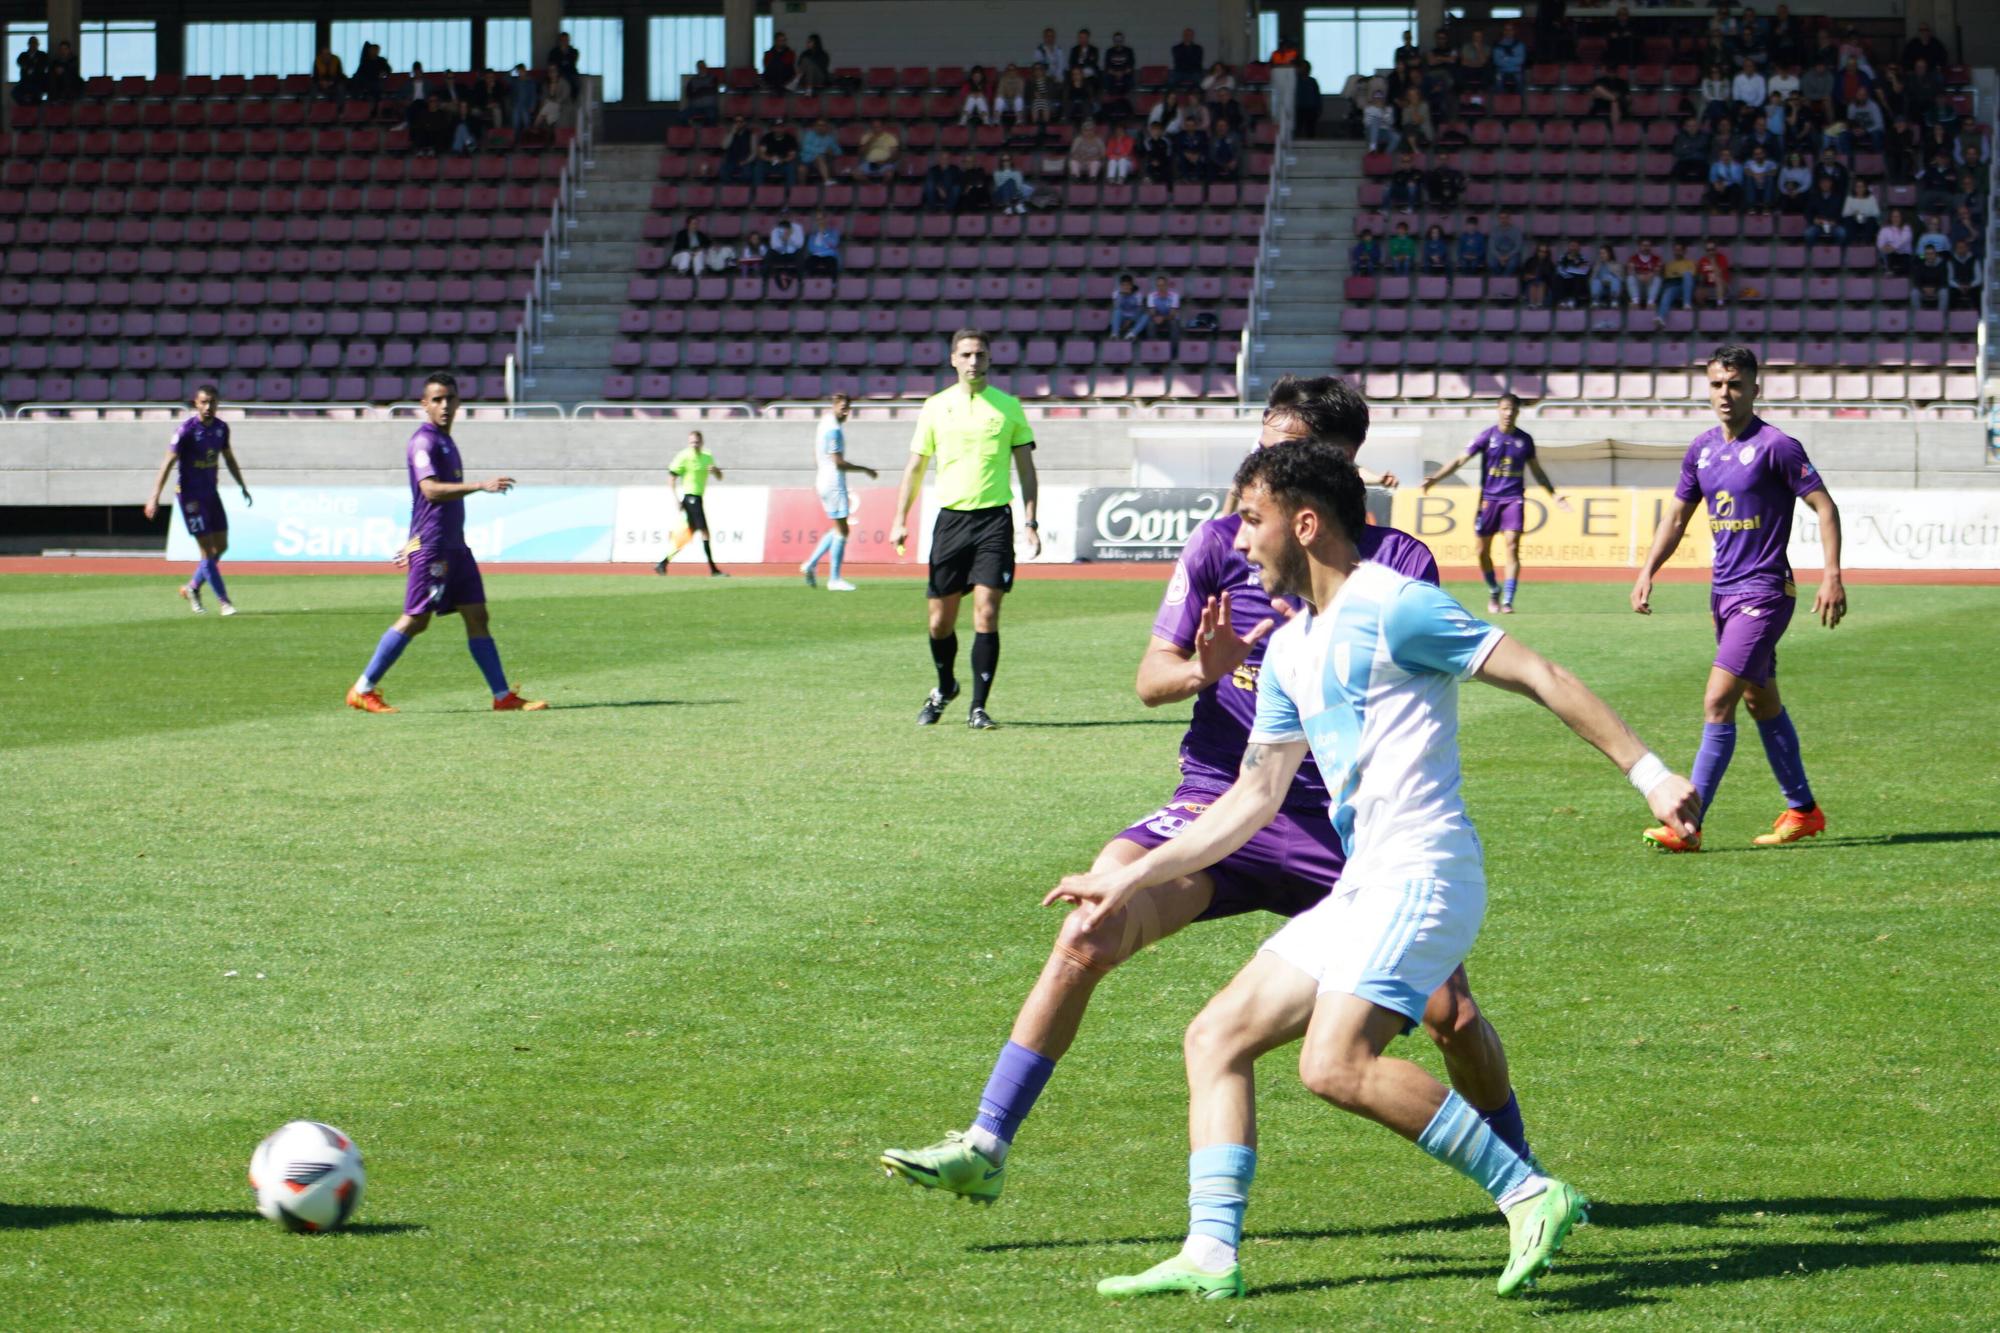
[1017, 1080]
[386, 653]
[1506, 1122]
[1781, 747]
[214, 567]
[487, 654]
[1711, 761]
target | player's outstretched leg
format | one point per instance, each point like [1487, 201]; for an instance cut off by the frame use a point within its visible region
[1475, 1060]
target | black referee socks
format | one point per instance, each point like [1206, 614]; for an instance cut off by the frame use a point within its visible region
[985, 661]
[944, 656]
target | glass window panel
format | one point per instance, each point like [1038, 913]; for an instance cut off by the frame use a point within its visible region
[439, 45]
[765, 29]
[600, 48]
[673, 45]
[17, 42]
[120, 50]
[1267, 35]
[248, 48]
[507, 44]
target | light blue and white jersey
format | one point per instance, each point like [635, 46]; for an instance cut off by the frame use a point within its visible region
[828, 446]
[1371, 684]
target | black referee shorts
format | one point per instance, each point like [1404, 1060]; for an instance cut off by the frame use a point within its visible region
[697, 517]
[972, 548]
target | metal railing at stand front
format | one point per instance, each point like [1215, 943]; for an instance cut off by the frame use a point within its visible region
[674, 411]
[487, 411]
[547, 276]
[1986, 103]
[228, 411]
[1284, 87]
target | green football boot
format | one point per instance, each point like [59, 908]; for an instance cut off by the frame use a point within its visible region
[954, 1166]
[1177, 1275]
[1537, 1228]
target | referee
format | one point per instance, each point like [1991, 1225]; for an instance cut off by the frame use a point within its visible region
[974, 430]
[692, 468]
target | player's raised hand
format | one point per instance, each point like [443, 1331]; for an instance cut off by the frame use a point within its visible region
[1097, 894]
[1830, 602]
[1217, 644]
[1642, 595]
[497, 485]
[1676, 804]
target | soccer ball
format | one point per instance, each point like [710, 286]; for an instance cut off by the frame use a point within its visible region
[307, 1176]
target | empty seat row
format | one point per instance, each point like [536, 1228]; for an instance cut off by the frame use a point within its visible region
[809, 353]
[268, 322]
[883, 318]
[220, 356]
[1641, 353]
[77, 294]
[225, 164]
[879, 79]
[1108, 385]
[237, 389]
[877, 197]
[1642, 387]
[194, 262]
[1234, 288]
[1893, 320]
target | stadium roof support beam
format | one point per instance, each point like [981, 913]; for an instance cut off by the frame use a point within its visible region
[65, 24]
[1236, 35]
[1430, 17]
[545, 20]
[739, 33]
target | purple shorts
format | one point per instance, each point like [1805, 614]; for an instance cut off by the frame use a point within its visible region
[441, 582]
[1499, 516]
[1288, 866]
[1747, 629]
[203, 515]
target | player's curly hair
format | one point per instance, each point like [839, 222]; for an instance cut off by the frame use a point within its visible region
[1309, 474]
[1328, 405]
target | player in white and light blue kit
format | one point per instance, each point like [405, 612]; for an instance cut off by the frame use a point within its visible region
[830, 469]
[1368, 683]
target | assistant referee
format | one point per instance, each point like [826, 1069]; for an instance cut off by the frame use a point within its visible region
[973, 429]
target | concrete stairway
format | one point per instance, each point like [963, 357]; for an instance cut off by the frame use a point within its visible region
[1306, 268]
[574, 352]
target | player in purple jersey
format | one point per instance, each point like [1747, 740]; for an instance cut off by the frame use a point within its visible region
[1208, 644]
[199, 443]
[444, 578]
[1751, 475]
[1504, 454]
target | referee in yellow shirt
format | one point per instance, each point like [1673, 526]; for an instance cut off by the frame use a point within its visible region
[974, 430]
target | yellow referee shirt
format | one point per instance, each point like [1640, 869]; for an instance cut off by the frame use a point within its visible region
[973, 438]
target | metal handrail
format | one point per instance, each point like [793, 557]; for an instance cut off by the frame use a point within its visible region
[586, 411]
[547, 276]
[1536, 408]
[228, 411]
[1283, 93]
[486, 411]
[1986, 87]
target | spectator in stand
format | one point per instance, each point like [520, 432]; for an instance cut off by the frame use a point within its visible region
[1191, 155]
[879, 150]
[527, 96]
[781, 63]
[1223, 109]
[777, 155]
[1434, 256]
[1690, 151]
[1439, 88]
[1163, 305]
[1783, 37]
[1364, 257]
[1966, 275]
[1188, 62]
[1307, 102]
[1678, 286]
[1893, 244]
[1607, 279]
[943, 183]
[1621, 39]
[1711, 274]
[1795, 180]
[1930, 279]
[31, 87]
[1225, 155]
[1079, 96]
[1642, 276]
[1010, 92]
[1760, 182]
[1409, 50]
[1936, 185]
[1413, 119]
[431, 128]
[1218, 79]
[1892, 92]
[1816, 88]
[1086, 57]
[1725, 182]
[65, 76]
[1865, 123]
[1475, 64]
[1572, 277]
[1933, 236]
[1121, 151]
[1286, 52]
[1044, 99]
[975, 97]
[1823, 210]
[1853, 83]
[1156, 155]
[1779, 87]
[788, 249]
[1538, 278]
[687, 252]
[1378, 124]
[1715, 98]
[1187, 114]
[1971, 195]
[1862, 213]
[564, 57]
[1128, 310]
[1406, 184]
[1506, 247]
[815, 67]
[1051, 56]
[489, 97]
[1923, 92]
[1087, 151]
[750, 262]
[1964, 226]
[557, 96]
[1118, 85]
[1926, 47]
[1747, 90]
[1444, 183]
[975, 193]
[329, 78]
[1510, 58]
[1011, 190]
[1470, 258]
[820, 149]
[371, 74]
[1610, 95]
[739, 151]
[1402, 250]
[422, 86]
[823, 248]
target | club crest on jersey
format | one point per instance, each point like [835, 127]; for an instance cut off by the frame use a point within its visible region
[1177, 587]
[423, 458]
[1746, 453]
[1702, 462]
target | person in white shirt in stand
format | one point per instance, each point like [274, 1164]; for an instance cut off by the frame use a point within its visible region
[1052, 54]
[788, 244]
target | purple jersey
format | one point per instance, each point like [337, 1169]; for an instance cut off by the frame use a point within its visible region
[1751, 486]
[439, 525]
[1212, 749]
[199, 450]
[1503, 462]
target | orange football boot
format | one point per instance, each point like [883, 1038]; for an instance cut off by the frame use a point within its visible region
[514, 703]
[1666, 839]
[371, 702]
[1792, 826]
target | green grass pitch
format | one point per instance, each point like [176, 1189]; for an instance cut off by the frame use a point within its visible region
[621, 1000]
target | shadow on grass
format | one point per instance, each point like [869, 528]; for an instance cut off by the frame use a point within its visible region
[614, 703]
[1118, 722]
[1907, 839]
[42, 1216]
[1581, 1283]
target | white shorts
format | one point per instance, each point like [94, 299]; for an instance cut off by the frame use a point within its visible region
[835, 501]
[1390, 944]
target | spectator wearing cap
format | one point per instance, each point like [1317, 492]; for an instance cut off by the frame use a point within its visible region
[777, 155]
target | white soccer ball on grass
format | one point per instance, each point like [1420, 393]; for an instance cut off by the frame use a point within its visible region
[307, 1176]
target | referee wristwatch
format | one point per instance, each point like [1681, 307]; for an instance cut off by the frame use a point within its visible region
[1032, 526]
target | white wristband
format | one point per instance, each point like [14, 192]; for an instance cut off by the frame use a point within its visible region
[1647, 774]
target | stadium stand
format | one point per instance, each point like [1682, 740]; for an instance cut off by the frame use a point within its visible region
[160, 233]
